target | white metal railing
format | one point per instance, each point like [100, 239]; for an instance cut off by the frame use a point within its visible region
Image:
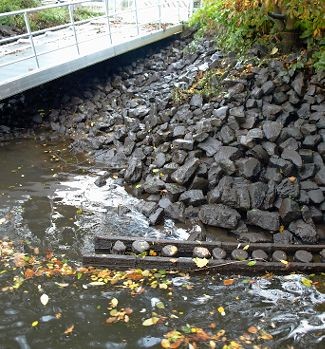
[137, 13]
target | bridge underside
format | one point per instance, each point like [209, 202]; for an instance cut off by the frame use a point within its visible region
[22, 77]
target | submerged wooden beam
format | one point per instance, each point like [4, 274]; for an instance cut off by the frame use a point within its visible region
[227, 262]
[187, 264]
[104, 243]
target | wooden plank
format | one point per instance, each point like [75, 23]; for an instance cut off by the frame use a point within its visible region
[110, 261]
[103, 244]
[186, 264]
[150, 262]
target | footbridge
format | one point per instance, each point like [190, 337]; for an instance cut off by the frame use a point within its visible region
[34, 57]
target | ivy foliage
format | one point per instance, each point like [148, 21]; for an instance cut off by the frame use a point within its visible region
[238, 24]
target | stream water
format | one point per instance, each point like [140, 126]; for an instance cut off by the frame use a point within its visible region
[48, 201]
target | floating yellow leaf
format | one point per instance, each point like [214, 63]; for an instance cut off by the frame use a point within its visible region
[114, 302]
[69, 330]
[221, 310]
[281, 229]
[145, 273]
[306, 282]
[200, 262]
[35, 323]
[251, 263]
[245, 247]
[113, 312]
[283, 261]
[160, 305]
[165, 343]
[151, 321]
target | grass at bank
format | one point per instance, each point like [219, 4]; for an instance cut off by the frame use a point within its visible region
[40, 20]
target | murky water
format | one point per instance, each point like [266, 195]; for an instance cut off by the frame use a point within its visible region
[48, 200]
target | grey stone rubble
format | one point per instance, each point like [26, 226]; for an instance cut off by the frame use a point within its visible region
[252, 155]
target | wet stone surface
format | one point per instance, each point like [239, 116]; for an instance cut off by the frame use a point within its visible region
[257, 146]
[140, 246]
[169, 251]
[201, 252]
[246, 151]
[278, 256]
[119, 247]
[239, 255]
[260, 255]
[303, 256]
[219, 253]
[61, 211]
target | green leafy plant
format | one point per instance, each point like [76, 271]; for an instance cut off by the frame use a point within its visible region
[42, 19]
[237, 24]
[16, 22]
[14, 5]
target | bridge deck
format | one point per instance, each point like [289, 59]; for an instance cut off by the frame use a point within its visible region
[24, 75]
[33, 59]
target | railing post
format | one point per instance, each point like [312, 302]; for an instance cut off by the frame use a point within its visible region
[159, 11]
[178, 11]
[73, 27]
[30, 34]
[136, 16]
[188, 9]
[191, 8]
[115, 10]
[108, 22]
